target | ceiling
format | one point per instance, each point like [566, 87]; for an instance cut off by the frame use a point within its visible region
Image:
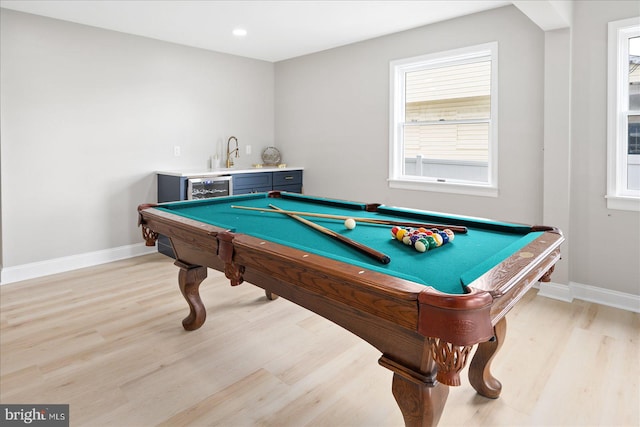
[276, 30]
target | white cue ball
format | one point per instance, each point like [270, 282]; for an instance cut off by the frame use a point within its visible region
[421, 247]
[350, 223]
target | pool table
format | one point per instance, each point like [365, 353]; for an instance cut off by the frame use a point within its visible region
[424, 311]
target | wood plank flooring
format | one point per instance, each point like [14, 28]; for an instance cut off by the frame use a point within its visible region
[108, 341]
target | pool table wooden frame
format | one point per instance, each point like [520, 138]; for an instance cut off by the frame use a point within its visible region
[425, 336]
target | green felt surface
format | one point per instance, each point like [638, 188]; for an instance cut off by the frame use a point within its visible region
[445, 268]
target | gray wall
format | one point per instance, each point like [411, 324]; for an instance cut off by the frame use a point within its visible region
[557, 142]
[87, 116]
[613, 261]
[332, 115]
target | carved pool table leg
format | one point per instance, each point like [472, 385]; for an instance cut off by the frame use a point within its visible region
[480, 375]
[189, 279]
[420, 397]
[421, 404]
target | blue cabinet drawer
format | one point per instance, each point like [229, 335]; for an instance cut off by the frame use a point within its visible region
[287, 178]
[294, 188]
[252, 181]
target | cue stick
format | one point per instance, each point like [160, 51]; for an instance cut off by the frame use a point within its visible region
[454, 228]
[359, 246]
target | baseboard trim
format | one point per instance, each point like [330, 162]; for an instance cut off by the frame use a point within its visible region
[608, 297]
[60, 265]
[589, 293]
[555, 291]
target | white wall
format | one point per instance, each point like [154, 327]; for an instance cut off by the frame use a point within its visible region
[88, 115]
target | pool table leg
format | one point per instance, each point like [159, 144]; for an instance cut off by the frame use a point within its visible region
[480, 375]
[270, 295]
[189, 279]
[420, 397]
[421, 403]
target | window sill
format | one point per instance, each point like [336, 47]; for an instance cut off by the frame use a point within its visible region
[623, 203]
[444, 187]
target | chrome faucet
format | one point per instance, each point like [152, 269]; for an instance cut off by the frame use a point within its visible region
[229, 153]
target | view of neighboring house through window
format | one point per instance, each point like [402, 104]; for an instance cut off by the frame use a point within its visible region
[443, 118]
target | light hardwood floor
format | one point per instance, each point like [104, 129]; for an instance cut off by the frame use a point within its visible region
[108, 341]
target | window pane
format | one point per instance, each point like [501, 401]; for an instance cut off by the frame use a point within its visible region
[634, 73]
[449, 151]
[633, 160]
[455, 92]
[634, 135]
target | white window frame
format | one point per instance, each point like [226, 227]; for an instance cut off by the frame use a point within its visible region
[398, 69]
[618, 196]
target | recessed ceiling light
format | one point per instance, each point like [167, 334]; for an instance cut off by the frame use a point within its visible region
[239, 32]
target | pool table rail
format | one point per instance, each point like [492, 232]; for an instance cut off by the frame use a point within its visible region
[514, 276]
[391, 298]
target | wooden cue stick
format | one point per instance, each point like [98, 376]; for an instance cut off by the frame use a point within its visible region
[454, 228]
[359, 246]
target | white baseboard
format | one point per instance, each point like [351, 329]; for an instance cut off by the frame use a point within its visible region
[555, 291]
[73, 262]
[589, 293]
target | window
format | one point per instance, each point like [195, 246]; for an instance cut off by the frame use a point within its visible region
[623, 139]
[443, 125]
